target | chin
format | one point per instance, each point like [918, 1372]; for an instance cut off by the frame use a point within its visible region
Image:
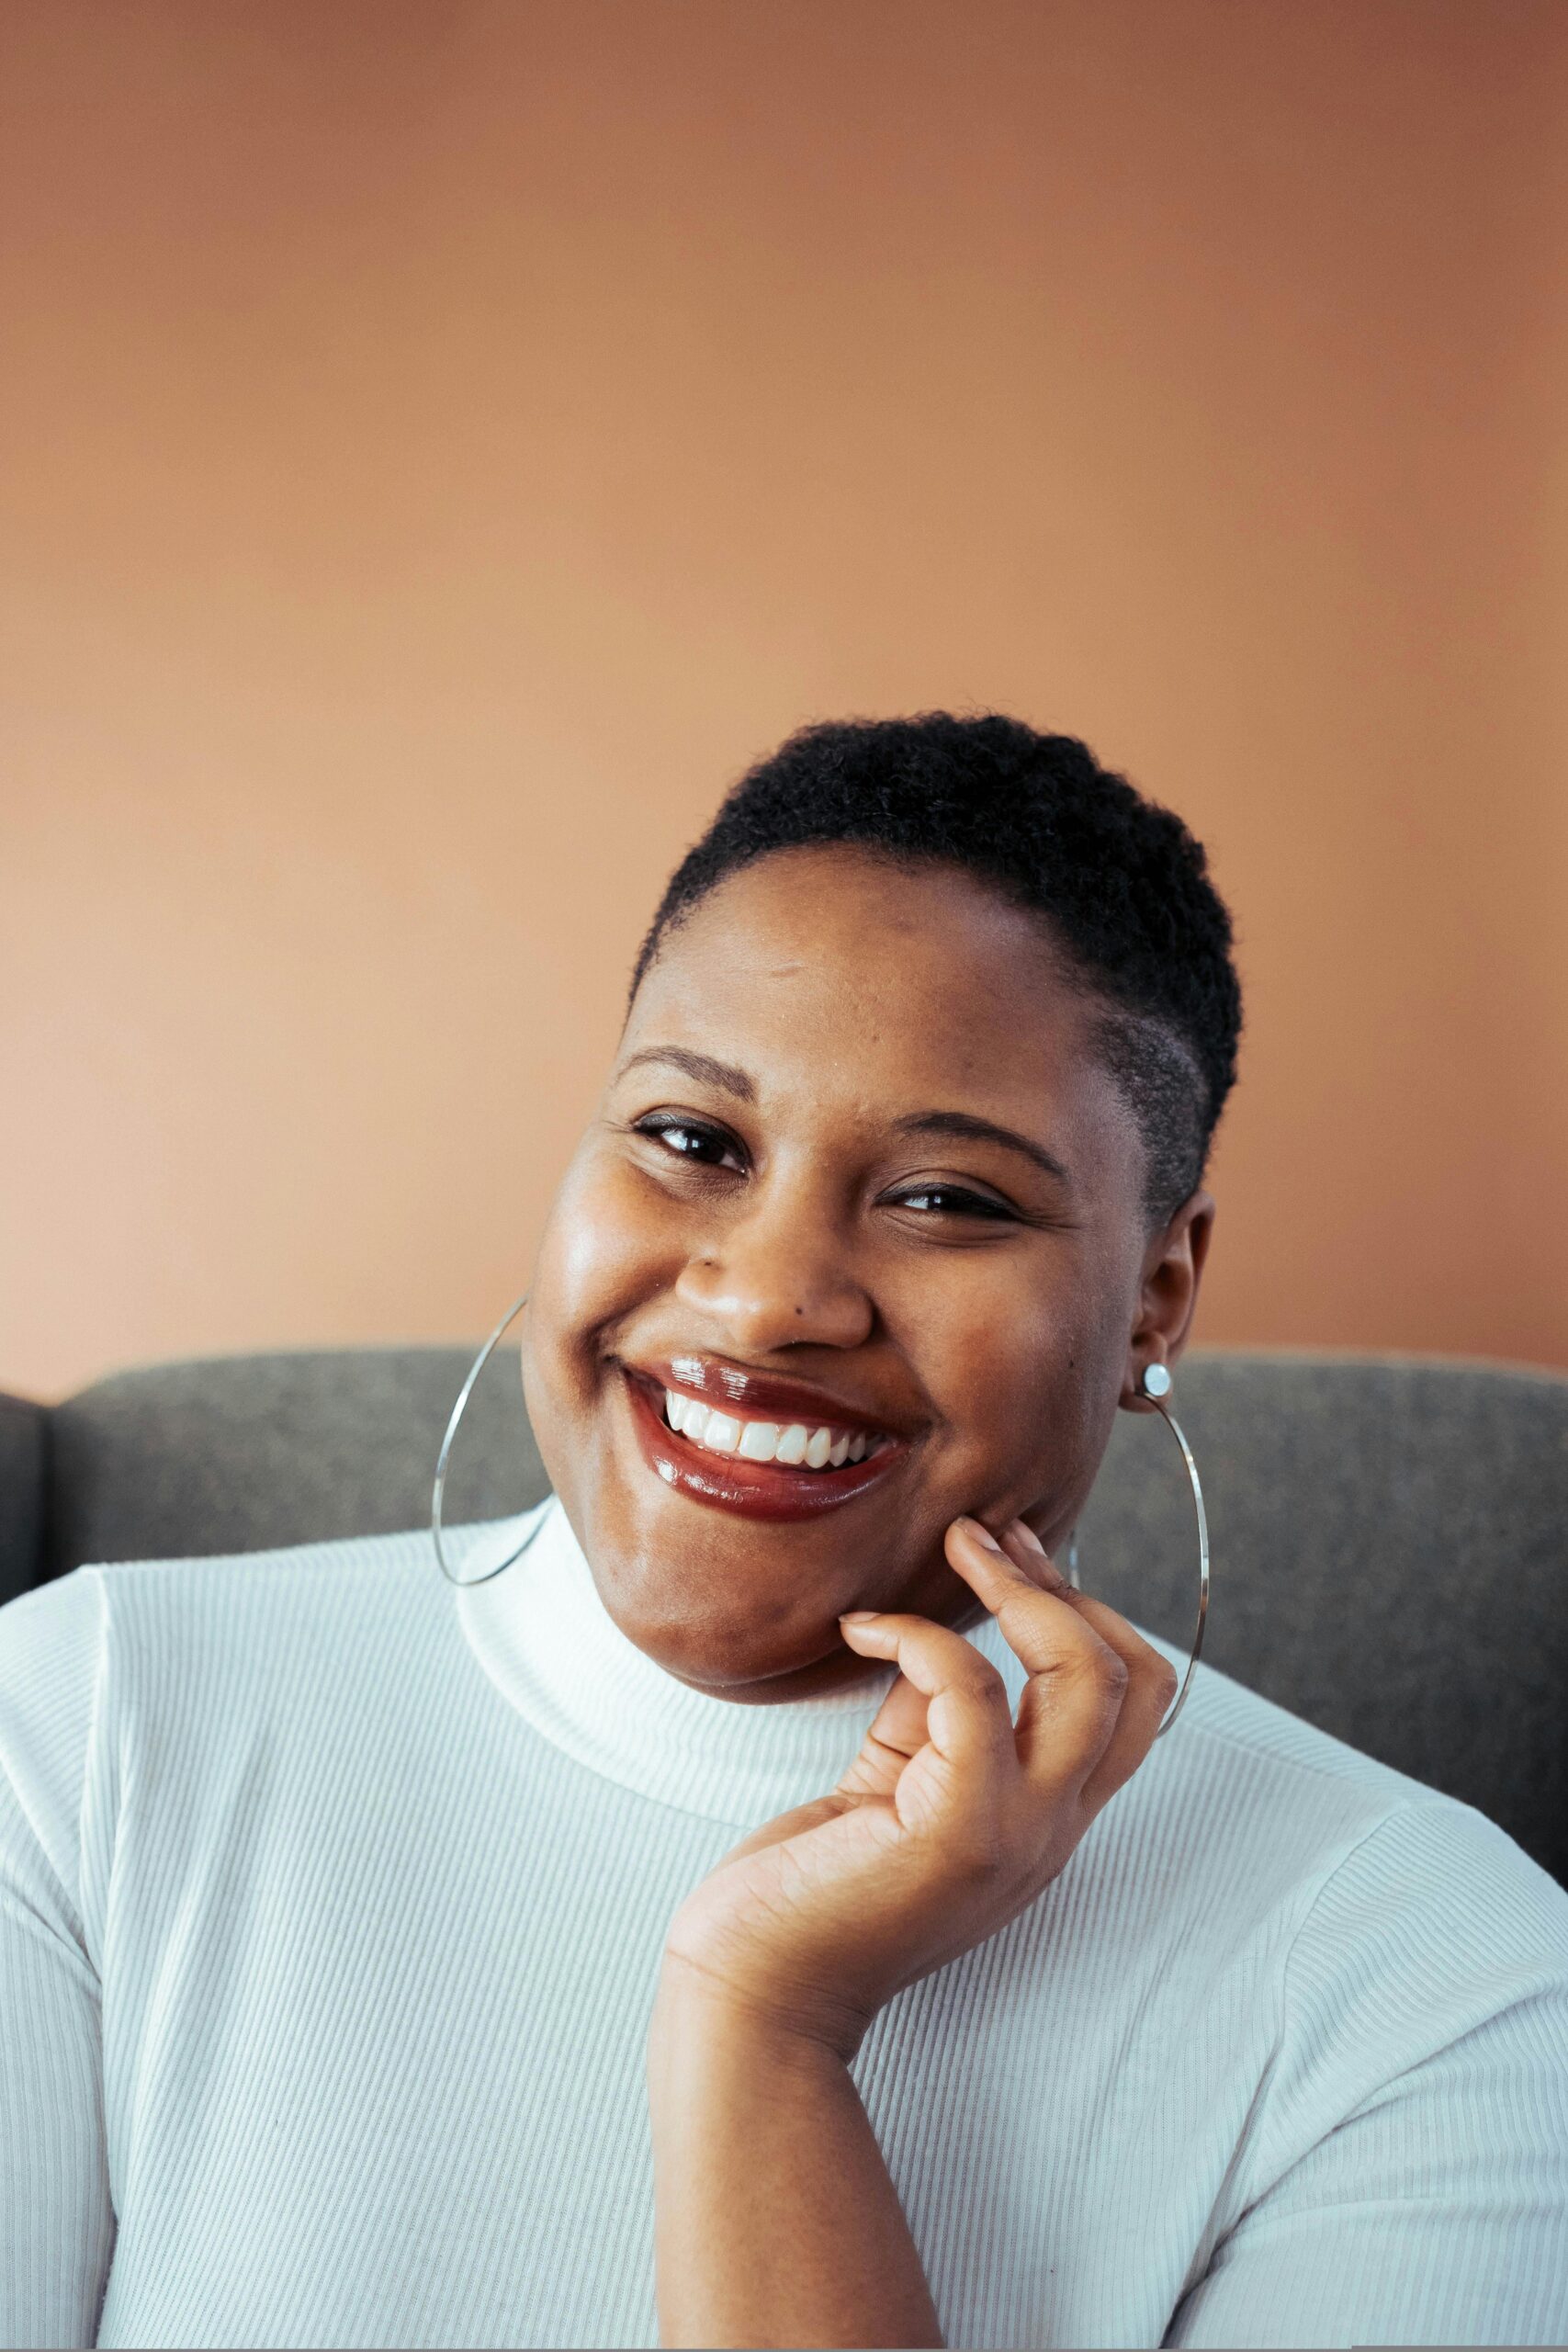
[714, 1603]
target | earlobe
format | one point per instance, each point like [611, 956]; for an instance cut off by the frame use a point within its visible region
[1168, 1302]
[1145, 1382]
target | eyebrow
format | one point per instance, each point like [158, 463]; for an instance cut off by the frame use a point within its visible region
[698, 1066]
[964, 1123]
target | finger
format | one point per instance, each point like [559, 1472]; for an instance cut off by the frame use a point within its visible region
[897, 1731]
[1070, 1703]
[968, 1714]
[1020, 1543]
[1151, 1679]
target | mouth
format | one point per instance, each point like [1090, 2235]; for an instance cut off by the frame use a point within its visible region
[793, 1462]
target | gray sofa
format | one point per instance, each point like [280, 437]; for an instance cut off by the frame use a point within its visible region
[1389, 1556]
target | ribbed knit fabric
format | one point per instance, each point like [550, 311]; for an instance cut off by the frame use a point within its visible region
[331, 1902]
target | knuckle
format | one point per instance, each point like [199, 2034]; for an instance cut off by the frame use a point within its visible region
[981, 1680]
[1091, 1659]
[1106, 1667]
[1155, 1669]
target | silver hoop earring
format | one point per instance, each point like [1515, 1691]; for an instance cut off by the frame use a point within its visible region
[1156, 1385]
[438, 1491]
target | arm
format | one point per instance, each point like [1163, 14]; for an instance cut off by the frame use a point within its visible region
[775, 2220]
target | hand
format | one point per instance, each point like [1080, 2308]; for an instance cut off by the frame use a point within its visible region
[951, 1818]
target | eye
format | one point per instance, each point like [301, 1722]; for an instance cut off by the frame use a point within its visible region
[689, 1139]
[950, 1200]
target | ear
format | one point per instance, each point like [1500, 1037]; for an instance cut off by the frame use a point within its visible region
[1168, 1295]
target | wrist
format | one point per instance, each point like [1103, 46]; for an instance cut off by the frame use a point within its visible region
[712, 2055]
[693, 2003]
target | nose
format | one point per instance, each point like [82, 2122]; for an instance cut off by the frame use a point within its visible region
[780, 1276]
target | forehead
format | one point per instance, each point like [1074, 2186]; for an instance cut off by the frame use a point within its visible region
[902, 986]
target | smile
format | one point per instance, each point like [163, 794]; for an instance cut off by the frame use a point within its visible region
[819, 1448]
[762, 1469]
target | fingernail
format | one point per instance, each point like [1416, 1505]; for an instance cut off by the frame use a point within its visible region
[855, 1616]
[1029, 1538]
[982, 1535]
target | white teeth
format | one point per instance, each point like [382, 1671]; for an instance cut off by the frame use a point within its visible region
[766, 1441]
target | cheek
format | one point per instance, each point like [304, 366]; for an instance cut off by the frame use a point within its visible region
[601, 1255]
[1020, 1375]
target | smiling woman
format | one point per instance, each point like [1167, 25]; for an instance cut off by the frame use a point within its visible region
[757, 1912]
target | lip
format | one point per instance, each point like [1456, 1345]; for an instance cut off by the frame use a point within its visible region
[763, 1396]
[753, 1489]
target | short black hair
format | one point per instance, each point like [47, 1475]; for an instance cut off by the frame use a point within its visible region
[1122, 885]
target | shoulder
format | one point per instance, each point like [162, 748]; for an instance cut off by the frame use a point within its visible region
[1329, 1852]
[1267, 1777]
[52, 1655]
[1414, 1951]
[1435, 1921]
[148, 1621]
[1423, 2029]
[179, 1649]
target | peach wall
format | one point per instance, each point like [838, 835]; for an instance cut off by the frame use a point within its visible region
[441, 444]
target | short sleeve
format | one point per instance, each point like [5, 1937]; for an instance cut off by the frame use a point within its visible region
[1408, 2179]
[57, 2222]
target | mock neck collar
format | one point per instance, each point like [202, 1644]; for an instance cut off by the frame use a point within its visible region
[550, 1647]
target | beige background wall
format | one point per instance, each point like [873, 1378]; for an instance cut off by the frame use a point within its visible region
[442, 444]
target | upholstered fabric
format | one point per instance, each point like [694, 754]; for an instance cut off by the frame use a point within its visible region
[1388, 1554]
[24, 1441]
[245, 1453]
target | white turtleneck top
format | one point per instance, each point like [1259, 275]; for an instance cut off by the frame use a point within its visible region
[331, 1902]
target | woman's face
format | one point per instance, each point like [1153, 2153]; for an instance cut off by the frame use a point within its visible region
[791, 1214]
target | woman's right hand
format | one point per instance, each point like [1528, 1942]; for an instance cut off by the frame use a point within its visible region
[949, 1820]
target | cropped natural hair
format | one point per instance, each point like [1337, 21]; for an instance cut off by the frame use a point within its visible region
[1120, 885]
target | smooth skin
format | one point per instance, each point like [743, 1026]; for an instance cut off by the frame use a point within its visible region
[755, 1187]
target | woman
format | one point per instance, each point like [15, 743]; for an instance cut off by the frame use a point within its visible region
[643, 1944]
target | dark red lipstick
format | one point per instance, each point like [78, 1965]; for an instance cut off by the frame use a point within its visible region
[775, 1490]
